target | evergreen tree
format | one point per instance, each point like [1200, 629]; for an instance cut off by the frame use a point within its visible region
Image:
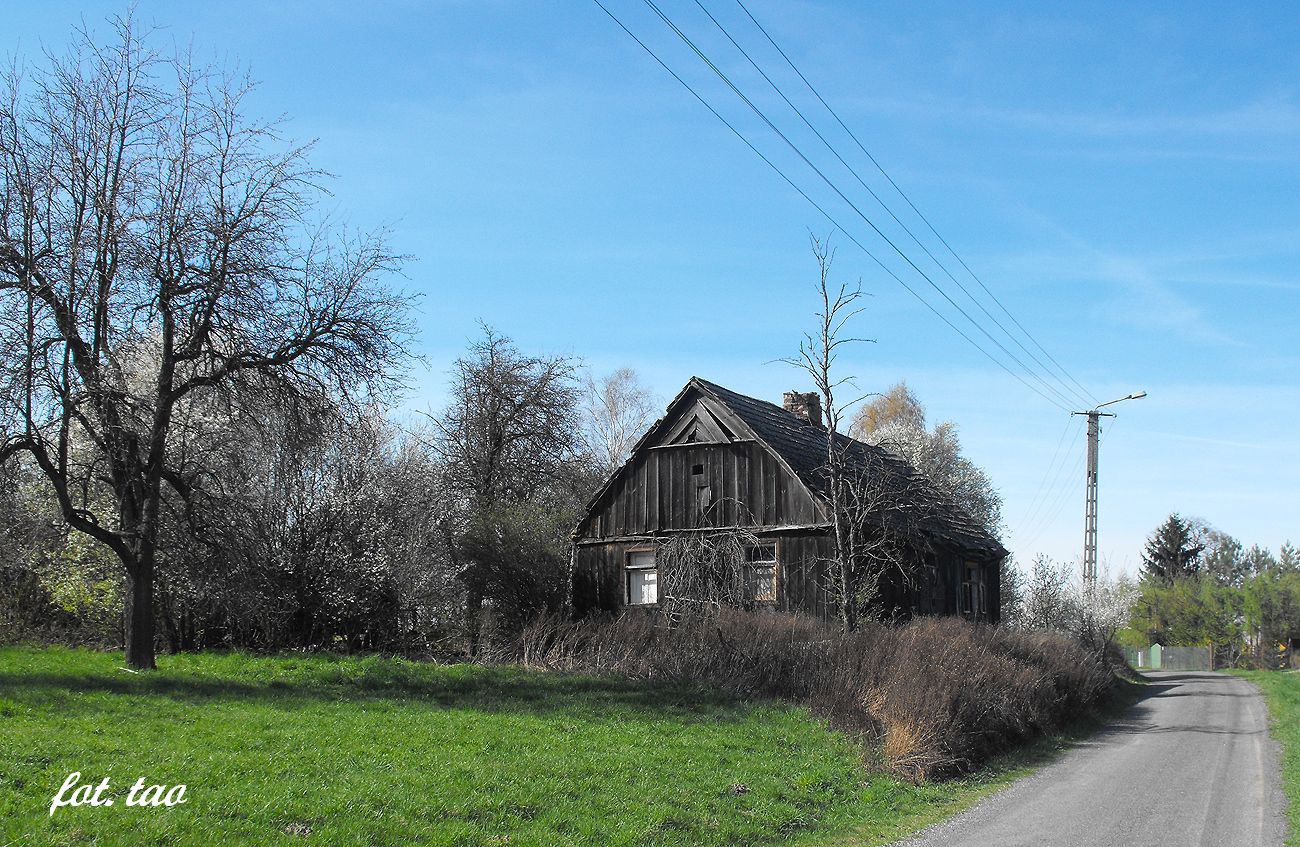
[1260, 560]
[1173, 550]
[1289, 557]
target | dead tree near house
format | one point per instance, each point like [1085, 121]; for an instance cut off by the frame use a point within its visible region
[886, 506]
[145, 218]
[851, 565]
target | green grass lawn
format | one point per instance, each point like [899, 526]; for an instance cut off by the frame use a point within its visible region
[1282, 692]
[377, 751]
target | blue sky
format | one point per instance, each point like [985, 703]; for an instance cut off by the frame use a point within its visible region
[1122, 176]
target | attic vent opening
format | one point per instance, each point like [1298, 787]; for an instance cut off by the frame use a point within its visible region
[697, 470]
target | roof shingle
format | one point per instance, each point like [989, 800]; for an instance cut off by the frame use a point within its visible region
[803, 447]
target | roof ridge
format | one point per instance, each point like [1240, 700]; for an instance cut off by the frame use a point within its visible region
[791, 438]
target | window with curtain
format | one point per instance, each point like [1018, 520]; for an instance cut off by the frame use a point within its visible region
[642, 578]
[760, 573]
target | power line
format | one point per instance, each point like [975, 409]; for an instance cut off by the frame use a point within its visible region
[1050, 492]
[1058, 503]
[762, 116]
[909, 202]
[817, 206]
[1062, 495]
[830, 147]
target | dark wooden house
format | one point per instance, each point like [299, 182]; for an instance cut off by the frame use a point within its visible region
[719, 461]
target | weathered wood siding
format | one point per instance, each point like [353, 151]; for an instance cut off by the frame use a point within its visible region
[934, 587]
[803, 580]
[598, 579]
[705, 471]
[802, 574]
[740, 484]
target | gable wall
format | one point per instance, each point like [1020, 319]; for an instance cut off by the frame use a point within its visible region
[742, 485]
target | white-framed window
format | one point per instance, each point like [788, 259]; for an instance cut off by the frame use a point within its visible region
[642, 578]
[760, 573]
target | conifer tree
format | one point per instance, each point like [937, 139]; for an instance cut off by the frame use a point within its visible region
[1173, 551]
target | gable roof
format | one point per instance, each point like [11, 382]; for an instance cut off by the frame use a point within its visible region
[801, 447]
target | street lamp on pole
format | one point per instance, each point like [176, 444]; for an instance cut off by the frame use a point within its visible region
[1090, 505]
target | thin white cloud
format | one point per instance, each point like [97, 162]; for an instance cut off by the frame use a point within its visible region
[1264, 116]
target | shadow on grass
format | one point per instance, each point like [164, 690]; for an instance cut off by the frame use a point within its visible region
[308, 682]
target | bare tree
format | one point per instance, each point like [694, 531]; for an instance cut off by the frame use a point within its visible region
[699, 570]
[508, 443]
[818, 352]
[618, 409]
[145, 219]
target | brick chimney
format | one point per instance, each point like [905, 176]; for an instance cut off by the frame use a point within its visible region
[806, 405]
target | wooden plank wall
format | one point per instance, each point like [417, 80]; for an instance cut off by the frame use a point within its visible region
[744, 485]
[801, 580]
[598, 579]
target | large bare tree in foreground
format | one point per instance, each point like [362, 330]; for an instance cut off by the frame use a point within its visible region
[153, 255]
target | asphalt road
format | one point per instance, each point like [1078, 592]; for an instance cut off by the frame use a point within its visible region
[1190, 764]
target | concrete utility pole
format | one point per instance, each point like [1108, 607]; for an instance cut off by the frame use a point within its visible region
[1090, 488]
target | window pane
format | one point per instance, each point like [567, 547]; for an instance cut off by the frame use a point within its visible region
[762, 584]
[643, 559]
[643, 587]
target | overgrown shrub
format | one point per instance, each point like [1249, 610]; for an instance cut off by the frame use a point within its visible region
[938, 696]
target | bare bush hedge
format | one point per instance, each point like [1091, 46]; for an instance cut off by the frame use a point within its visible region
[939, 696]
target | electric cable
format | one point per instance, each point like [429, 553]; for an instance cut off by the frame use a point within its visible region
[830, 147]
[909, 202]
[821, 210]
[1062, 399]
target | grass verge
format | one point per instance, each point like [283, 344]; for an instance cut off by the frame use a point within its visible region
[1282, 693]
[330, 750]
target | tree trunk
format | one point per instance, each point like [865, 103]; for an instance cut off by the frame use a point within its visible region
[473, 616]
[139, 615]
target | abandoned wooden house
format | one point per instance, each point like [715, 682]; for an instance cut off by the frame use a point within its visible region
[719, 462]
